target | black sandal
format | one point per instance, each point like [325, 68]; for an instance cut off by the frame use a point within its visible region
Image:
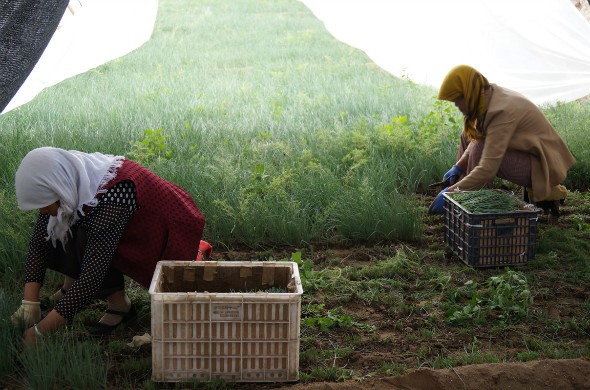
[101, 330]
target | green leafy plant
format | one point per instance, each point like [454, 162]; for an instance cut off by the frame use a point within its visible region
[507, 298]
[393, 368]
[440, 125]
[152, 147]
[259, 181]
[580, 224]
[336, 319]
[510, 295]
[330, 321]
[305, 267]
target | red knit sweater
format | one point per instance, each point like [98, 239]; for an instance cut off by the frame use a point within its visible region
[167, 226]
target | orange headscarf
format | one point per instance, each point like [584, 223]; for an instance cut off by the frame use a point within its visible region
[464, 81]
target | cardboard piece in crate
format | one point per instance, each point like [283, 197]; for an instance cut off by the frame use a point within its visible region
[490, 239]
[237, 321]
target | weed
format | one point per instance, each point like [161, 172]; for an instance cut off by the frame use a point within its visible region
[337, 353]
[353, 339]
[527, 356]
[472, 354]
[335, 319]
[304, 377]
[575, 250]
[305, 268]
[309, 356]
[396, 268]
[507, 298]
[510, 294]
[259, 182]
[133, 370]
[151, 148]
[534, 344]
[116, 346]
[443, 362]
[330, 374]
[579, 325]
[148, 385]
[424, 351]
[579, 223]
[393, 368]
[427, 334]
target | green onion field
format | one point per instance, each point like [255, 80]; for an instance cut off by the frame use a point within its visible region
[297, 146]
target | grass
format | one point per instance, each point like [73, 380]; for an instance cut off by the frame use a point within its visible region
[64, 362]
[285, 148]
[292, 141]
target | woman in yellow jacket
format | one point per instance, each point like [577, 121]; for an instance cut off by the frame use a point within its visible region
[505, 135]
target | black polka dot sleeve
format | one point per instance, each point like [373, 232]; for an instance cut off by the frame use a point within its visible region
[39, 249]
[105, 226]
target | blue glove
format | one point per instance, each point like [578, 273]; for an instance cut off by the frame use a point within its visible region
[453, 174]
[438, 206]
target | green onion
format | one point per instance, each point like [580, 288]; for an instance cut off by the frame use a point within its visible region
[486, 201]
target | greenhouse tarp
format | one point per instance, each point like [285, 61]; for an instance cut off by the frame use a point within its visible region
[90, 33]
[26, 26]
[540, 48]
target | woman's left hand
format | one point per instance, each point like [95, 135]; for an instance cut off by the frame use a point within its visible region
[46, 326]
[437, 207]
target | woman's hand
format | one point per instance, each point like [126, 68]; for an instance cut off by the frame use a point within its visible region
[438, 206]
[454, 174]
[28, 313]
[47, 326]
[29, 337]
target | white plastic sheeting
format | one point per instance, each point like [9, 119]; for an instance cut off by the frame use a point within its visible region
[91, 33]
[540, 48]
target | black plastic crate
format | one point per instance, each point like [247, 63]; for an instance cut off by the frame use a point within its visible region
[493, 239]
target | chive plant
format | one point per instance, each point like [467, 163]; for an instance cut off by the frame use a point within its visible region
[486, 201]
[63, 362]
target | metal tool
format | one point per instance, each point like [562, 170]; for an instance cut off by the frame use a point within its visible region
[444, 183]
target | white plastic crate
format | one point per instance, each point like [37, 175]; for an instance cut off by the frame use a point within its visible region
[217, 320]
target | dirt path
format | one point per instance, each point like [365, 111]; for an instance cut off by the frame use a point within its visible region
[563, 374]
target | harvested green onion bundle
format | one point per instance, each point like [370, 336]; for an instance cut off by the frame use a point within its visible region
[487, 201]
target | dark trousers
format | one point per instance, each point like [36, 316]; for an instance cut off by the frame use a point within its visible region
[68, 262]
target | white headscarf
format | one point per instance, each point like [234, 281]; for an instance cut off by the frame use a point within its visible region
[46, 175]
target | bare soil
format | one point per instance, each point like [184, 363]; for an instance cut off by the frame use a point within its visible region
[561, 302]
[563, 374]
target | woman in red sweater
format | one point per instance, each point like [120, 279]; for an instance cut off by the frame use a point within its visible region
[101, 217]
